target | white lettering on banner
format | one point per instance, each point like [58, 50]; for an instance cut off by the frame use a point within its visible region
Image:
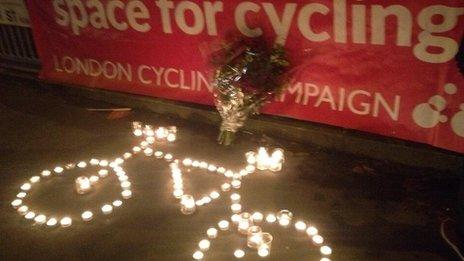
[191, 18]
[91, 67]
[356, 101]
[359, 102]
[75, 14]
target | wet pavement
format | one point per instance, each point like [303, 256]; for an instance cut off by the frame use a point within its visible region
[365, 209]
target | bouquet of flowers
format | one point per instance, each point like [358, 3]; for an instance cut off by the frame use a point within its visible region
[248, 73]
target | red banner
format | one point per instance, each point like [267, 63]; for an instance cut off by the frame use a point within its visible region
[382, 66]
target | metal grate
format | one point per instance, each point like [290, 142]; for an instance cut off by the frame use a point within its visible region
[17, 46]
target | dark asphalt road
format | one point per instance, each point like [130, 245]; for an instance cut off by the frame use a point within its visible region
[366, 209]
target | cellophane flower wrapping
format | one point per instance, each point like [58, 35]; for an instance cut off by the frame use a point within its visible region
[248, 74]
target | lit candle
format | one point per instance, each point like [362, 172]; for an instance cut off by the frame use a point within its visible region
[107, 209]
[87, 215]
[103, 163]
[29, 215]
[212, 168]
[52, 222]
[223, 225]
[16, 203]
[21, 194]
[94, 179]
[94, 162]
[125, 185]
[83, 185]
[265, 248]
[117, 203]
[126, 194]
[236, 208]
[236, 183]
[187, 204]
[40, 219]
[317, 239]
[235, 218]
[204, 245]
[58, 170]
[214, 194]
[311, 231]
[159, 154]
[34, 179]
[212, 232]
[326, 250]
[82, 164]
[148, 151]
[46, 173]
[66, 222]
[262, 160]
[171, 137]
[235, 197]
[225, 187]
[284, 217]
[244, 223]
[257, 217]
[26, 186]
[251, 157]
[300, 226]
[254, 237]
[238, 253]
[271, 218]
[22, 210]
[198, 255]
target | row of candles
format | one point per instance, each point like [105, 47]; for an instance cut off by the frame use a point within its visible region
[247, 224]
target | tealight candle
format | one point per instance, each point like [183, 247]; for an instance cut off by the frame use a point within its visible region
[225, 187]
[117, 203]
[87, 215]
[326, 250]
[284, 217]
[26, 186]
[204, 245]
[257, 217]
[83, 185]
[188, 205]
[107, 209]
[103, 163]
[212, 168]
[40, 219]
[300, 226]
[317, 239]
[235, 197]
[236, 208]
[223, 225]
[177, 193]
[126, 194]
[16, 203]
[66, 222]
[250, 168]
[244, 223]
[198, 255]
[262, 160]
[235, 218]
[311, 231]
[94, 179]
[203, 165]
[214, 194]
[221, 170]
[21, 194]
[236, 183]
[22, 210]
[171, 137]
[34, 179]
[158, 154]
[271, 218]
[238, 253]
[168, 157]
[29, 215]
[94, 162]
[125, 185]
[265, 248]
[251, 157]
[58, 170]
[325, 259]
[255, 237]
[82, 164]
[212, 232]
[127, 155]
[46, 173]
[148, 151]
[52, 222]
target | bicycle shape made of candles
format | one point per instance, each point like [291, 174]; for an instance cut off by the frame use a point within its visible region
[247, 224]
